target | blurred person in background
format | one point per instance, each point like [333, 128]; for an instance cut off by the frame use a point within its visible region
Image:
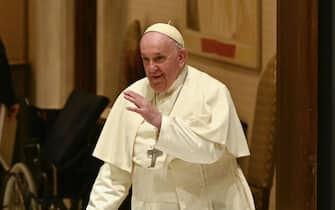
[7, 95]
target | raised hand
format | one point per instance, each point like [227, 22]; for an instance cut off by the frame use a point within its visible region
[144, 108]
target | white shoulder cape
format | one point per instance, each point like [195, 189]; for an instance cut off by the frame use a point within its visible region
[204, 103]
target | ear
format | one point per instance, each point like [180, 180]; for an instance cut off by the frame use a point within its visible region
[182, 57]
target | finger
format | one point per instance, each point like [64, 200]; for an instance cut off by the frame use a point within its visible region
[130, 99]
[133, 93]
[133, 100]
[134, 109]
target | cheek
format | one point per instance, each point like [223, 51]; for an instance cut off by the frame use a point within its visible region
[145, 69]
[171, 76]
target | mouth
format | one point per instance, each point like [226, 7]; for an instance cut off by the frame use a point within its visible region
[155, 77]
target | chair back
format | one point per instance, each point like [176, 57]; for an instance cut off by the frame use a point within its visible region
[261, 162]
[69, 137]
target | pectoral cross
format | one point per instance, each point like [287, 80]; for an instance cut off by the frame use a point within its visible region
[154, 154]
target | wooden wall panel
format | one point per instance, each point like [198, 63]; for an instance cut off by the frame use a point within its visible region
[85, 45]
[297, 105]
[13, 29]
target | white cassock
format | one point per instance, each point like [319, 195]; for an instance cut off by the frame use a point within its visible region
[200, 138]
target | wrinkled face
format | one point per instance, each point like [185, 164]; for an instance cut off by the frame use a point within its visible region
[162, 59]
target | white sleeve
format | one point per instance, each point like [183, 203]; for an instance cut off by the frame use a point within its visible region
[110, 188]
[179, 140]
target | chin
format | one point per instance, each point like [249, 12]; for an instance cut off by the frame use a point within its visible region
[158, 88]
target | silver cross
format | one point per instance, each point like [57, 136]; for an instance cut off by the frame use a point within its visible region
[154, 154]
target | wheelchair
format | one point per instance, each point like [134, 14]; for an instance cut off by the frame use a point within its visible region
[52, 166]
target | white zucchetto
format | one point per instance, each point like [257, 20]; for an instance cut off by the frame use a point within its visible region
[168, 30]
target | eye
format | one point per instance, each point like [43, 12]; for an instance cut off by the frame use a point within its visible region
[145, 60]
[159, 59]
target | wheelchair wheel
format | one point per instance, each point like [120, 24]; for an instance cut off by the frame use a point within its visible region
[19, 191]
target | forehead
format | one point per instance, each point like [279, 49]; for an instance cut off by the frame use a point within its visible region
[155, 40]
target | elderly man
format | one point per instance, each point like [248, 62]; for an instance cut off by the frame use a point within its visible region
[174, 136]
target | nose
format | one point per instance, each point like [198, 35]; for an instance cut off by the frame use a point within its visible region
[152, 67]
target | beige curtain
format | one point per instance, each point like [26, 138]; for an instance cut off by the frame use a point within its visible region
[51, 51]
